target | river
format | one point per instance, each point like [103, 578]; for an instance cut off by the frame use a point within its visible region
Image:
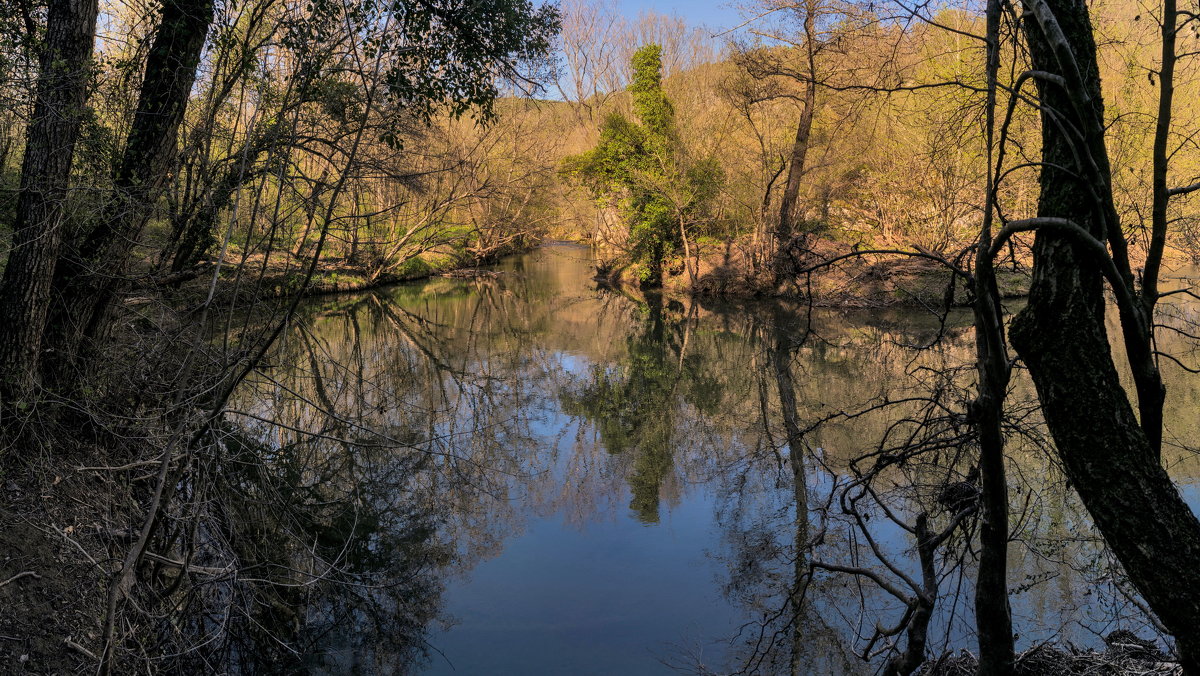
[522, 473]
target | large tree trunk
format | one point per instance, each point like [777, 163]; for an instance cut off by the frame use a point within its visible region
[1061, 337]
[45, 171]
[1104, 452]
[86, 282]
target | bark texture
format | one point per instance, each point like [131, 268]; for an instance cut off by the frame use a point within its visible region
[1061, 337]
[86, 281]
[45, 172]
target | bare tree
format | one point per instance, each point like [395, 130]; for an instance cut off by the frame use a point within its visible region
[811, 29]
[593, 65]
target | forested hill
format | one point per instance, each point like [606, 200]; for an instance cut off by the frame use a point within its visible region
[875, 143]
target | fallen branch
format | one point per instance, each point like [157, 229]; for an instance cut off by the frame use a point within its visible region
[80, 649]
[18, 576]
[171, 279]
[119, 468]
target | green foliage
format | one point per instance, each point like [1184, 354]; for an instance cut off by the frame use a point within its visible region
[440, 53]
[414, 268]
[635, 406]
[340, 100]
[642, 168]
[650, 102]
[99, 146]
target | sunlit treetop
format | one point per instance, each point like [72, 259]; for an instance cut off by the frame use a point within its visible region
[650, 102]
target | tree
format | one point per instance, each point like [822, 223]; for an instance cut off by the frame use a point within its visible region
[86, 279]
[59, 110]
[589, 44]
[821, 30]
[1109, 454]
[993, 619]
[643, 167]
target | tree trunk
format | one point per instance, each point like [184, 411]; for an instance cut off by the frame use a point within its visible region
[687, 253]
[910, 659]
[87, 281]
[45, 172]
[1105, 454]
[993, 619]
[198, 229]
[1151, 391]
[791, 189]
[1062, 339]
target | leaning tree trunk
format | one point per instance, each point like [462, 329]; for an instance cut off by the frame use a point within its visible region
[785, 230]
[87, 281]
[197, 230]
[1061, 337]
[38, 228]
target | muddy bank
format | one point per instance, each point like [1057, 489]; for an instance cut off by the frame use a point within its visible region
[254, 280]
[60, 533]
[831, 274]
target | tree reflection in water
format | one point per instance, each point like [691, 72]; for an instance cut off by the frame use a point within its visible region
[633, 404]
[405, 438]
[339, 571]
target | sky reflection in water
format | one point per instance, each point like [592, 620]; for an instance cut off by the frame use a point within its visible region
[617, 505]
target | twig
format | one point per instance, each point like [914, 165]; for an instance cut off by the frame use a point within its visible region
[78, 546]
[18, 576]
[118, 468]
[203, 570]
[80, 649]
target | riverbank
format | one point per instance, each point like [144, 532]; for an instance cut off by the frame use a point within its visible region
[1125, 654]
[255, 278]
[833, 274]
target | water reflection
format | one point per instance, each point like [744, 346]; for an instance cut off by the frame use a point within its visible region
[339, 571]
[633, 403]
[526, 474]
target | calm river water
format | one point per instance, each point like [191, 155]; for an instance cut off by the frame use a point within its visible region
[544, 477]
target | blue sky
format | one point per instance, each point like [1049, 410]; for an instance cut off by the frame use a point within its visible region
[716, 15]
